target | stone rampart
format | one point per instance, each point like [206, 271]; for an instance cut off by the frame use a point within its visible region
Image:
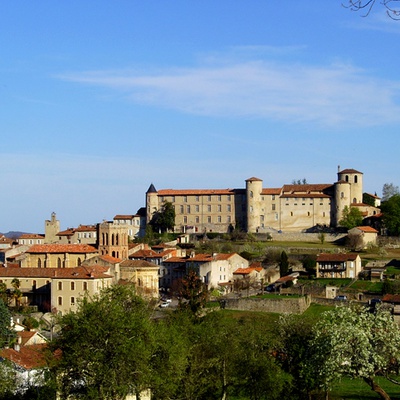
[283, 305]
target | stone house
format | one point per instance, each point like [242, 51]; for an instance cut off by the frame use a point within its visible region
[338, 265]
[367, 235]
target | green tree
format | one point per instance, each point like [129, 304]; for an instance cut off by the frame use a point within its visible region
[391, 214]
[163, 220]
[351, 217]
[354, 342]
[7, 334]
[192, 290]
[8, 380]
[284, 264]
[106, 346]
[293, 351]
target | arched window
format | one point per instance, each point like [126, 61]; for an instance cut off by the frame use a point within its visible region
[354, 200]
[116, 239]
[59, 265]
[347, 178]
[79, 261]
[112, 240]
[341, 195]
[39, 263]
[355, 178]
[103, 239]
[251, 193]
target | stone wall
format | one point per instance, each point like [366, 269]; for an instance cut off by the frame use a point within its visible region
[282, 305]
[305, 237]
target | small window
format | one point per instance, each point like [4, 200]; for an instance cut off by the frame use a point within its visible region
[273, 207]
[181, 209]
[209, 220]
[209, 197]
[219, 197]
[59, 285]
[197, 198]
[219, 218]
[228, 197]
[84, 286]
[228, 208]
[197, 208]
[185, 199]
[188, 209]
[228, 220]
[219, 208]
[59, 300]
[209, 208]
[197, 220]
[72, 301]
[72, 285]
[185, 219]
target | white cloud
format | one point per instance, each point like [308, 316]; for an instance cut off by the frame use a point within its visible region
[335, 94]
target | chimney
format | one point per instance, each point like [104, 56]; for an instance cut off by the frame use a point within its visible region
[17, 345]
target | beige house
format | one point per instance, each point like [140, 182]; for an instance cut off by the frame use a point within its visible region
[338, 265]
[215, 270]
[68, 285]
[30, 239]
[135, 224]
[366, 234]
[143, 274]
[295, 207]
[57, 255]
[83, 234]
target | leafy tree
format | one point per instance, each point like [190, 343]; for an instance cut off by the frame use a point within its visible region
[284, 264]
[389, 190]
[354, 342]
[6, 332]
[106, 346]
[192, 289]
[299, 181]
[16, 293]
[351, 217]
[391, 214]
[293, 350]
[163, 220]
[8, 382]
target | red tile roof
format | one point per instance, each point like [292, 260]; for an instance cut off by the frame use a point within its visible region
[122, 216]
[31, 236]
[189, 192]
[350, 171]
[137, 264]
[110, 259]
[62, 248]
[83, 272]
[391, 298]
[367, 229]
[306, 188]
[340, 257]
[271, 191]
[28, 357]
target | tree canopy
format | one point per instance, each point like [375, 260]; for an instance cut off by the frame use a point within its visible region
[357, 343]
[389, 190]
[106, 346]
[391, 214]
[163, 220]
[351, 217]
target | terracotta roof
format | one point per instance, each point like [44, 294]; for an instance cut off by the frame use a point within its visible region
[306, 195]
[86, 228]
[373, 195]
[391, 298]
[271, 191]
[31, 236]
[350, 171]
[94, 272]
[367, 229]
[286, 278]
[143, 254]
[189, 192]
[28, 357]
[211, 257]
[62, 248]
[246, 271]
[336, 257]
[111, 260]
[122, 216]
[307, 188]
[254, 179]
[138, 264]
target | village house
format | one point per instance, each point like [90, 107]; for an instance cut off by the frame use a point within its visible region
[340, 265]
[30, 239]
[364, 236]
[215, 270]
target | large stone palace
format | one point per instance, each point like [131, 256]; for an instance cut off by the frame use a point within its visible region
[291, 208]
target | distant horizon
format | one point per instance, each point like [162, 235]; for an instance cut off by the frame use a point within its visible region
[99, 100]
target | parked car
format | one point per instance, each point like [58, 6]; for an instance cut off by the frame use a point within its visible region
[341, 297]
[271, 288]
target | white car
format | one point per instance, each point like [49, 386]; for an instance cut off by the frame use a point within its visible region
[164, 304]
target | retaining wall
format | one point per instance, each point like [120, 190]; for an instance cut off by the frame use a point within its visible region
[282, 305]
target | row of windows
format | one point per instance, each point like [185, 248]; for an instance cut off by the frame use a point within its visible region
[197, 198]
[197, 209]
[72, 286]
[209, 219]
[86, 235]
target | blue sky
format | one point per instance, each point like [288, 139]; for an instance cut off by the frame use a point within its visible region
[99, 99]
